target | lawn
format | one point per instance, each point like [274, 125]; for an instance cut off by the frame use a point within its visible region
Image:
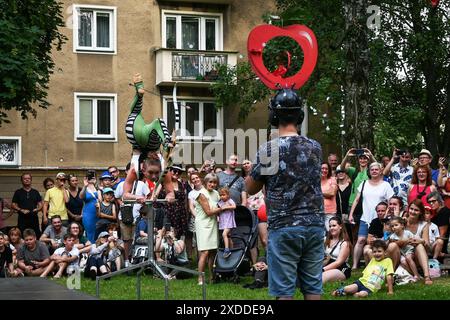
[124, 288]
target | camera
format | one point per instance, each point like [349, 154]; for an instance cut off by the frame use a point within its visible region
[359, 152]
[90, 174]
[400, 152]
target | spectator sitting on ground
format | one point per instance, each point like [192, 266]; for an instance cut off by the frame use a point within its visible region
[63, 259]
[419, 228]
[440, 215]
[115, 251]
[379, 270]
[376, 230]
[15, 242]
[53, 235]
[407, 251]
[33, 256]
[260, 274]
[436, 242]
[96, 263]
[174, 249]
[396, 207]
[337, 252]
[6, 258]
[80, 241]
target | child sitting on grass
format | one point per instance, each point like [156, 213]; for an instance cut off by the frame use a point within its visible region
[379, 270]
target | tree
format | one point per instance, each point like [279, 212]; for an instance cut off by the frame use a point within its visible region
[28, 31]
[413, 49]
[379, 88]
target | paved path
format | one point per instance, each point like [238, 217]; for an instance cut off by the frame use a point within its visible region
[38, 289]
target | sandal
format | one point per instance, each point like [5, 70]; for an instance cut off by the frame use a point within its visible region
[338, 292]
[428, 280]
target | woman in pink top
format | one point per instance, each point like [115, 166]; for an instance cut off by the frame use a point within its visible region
[421, 184]
[329, 190]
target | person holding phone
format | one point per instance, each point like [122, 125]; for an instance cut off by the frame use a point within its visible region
[357, 175]
[400, 173]
[90, 197]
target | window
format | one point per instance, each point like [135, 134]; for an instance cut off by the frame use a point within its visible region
[94, 29]
[192, 31]
[95, 116]
[199, 120]
[10, 151]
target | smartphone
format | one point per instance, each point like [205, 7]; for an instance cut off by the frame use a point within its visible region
[359, 152]
[115, 234]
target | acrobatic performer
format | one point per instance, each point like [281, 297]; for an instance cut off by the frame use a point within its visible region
[146, 140]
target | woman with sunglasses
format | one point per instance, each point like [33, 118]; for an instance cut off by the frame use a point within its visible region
[176, 211]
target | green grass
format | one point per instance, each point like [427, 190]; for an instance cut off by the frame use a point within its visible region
[124, 288]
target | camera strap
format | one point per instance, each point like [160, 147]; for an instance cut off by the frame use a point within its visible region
[232, 182]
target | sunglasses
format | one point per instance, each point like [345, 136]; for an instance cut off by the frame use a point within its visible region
[176, 171]
[113, 171]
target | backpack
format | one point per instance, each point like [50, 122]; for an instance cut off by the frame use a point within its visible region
[127, 210]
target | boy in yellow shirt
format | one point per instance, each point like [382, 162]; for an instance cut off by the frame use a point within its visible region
[378, 270]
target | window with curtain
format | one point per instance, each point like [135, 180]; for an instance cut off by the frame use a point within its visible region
[95, 117]
[192, 32]
[10, 151]
[95, 30]
[198, 119]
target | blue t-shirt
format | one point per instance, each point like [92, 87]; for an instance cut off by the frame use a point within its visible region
[141, 226]
[290, 169]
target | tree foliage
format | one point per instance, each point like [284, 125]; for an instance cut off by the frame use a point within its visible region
[399, 72]
[28, 31]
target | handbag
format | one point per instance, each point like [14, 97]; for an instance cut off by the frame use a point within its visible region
[357, 214]
[127, 209]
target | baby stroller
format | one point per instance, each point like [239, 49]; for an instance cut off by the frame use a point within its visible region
[243, 237]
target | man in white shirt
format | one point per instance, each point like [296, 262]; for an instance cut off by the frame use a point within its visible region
[400, 173]
[140, 188]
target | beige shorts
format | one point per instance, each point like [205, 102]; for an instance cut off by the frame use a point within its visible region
[127, 231]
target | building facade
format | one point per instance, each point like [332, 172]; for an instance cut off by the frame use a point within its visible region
[170, 43]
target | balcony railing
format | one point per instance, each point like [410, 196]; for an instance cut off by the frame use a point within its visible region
[195, 68]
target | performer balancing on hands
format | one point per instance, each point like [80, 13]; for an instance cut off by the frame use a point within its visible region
[147, 140]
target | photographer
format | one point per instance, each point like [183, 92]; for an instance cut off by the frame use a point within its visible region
[400, 173]
[357, 176]
[90, 197]
[174, 249]
[53, 235]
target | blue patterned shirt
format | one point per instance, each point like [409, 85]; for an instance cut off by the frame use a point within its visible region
[289, 167]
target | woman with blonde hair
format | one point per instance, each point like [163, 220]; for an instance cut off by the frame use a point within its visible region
[206, 227]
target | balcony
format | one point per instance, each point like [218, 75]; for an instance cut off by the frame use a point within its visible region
[190, 68]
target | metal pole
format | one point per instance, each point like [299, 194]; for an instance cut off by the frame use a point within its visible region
[97, 287]
[150, 235]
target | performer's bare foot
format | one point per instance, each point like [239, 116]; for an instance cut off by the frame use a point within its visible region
[136, 79]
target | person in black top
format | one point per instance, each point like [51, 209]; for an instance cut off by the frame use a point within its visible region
[440, 215]
[376, 229]
[75, 204]
[342, 199]
[6, 258]
[27, 202]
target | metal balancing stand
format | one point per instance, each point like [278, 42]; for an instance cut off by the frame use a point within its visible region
[151, 262]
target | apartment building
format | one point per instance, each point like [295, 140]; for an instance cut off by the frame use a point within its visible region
[170, 43]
